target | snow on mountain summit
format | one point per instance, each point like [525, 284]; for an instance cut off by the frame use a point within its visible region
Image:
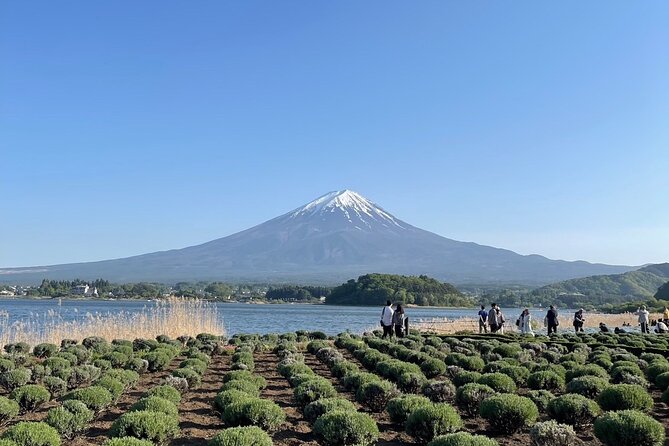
[353, 206]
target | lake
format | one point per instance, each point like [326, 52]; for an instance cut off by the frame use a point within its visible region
[247, 318]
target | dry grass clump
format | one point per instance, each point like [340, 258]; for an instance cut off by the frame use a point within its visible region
[172, 317]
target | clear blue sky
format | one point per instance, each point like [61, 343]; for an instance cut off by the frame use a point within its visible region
[128, 127]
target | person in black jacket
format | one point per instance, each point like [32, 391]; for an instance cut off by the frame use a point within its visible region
[552, 320]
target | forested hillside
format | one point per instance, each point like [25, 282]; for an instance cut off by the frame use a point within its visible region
[375, 289]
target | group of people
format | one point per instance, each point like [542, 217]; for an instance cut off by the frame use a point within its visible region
[492, 319]
[394, 321]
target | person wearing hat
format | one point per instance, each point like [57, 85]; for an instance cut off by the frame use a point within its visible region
[643, 318]
[578, 320]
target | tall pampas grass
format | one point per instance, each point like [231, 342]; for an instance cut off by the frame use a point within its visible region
[172, 317]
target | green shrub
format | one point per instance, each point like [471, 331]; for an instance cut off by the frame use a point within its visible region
[462, 439]
[114, 386]
[471, 363]
[245, 375]
[629, 428]
[54, 385]
[241, 436]
[193, 378]
[247, 387]
[8, 409]
[342, 368]
[551, 433]
[313, 390]
[354, 380]
[127, 441]
[438, 391]
[15, 378]
[44, 350]
[196, 364]
[17, 348]
[342, 428]
[156, 427]
[656, 368]
[29, 433]
[433, 367]
[158, 360]
[6, 365]
[469, 397]
[625, 396]
[427, 422]
[30, 396]
[167, 392]
[662, 380]
[508, 413]
[156, 404]
[376, 394]
[317, 408]
[518, 374]
[7, 442]
[399, 408]
[587, 370]
[462, 377]
[95, 398]
[411, 382]
[70, 418]
[225, 398]
[254, 412]
[588, 386]
[128, 377]
[545, 380]
[499, 382]
[573, 409]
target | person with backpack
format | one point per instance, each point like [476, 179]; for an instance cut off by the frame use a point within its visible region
[398, 321]
[500, 319]
[578, 320]
[387, 320]
[524, 322]
[483, 318]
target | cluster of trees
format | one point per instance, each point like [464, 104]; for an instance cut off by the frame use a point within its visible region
[212, 290]
[62, 288]
[375, 289]
[294, 293]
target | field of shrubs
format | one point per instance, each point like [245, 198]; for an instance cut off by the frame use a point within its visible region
[305, 388]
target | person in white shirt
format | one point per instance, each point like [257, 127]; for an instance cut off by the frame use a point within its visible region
[525, 322]
[643, 318]
[387, 320]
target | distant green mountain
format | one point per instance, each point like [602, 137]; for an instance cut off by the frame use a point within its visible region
[636, 285]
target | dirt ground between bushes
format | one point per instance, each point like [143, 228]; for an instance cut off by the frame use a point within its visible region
[296, 430]
[197, 419]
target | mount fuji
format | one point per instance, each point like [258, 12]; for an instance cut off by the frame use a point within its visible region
[338, 236]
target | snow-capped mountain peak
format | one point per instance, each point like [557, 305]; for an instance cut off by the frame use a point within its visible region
[357, 209]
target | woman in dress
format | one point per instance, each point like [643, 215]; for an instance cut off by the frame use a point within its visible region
[526, 322]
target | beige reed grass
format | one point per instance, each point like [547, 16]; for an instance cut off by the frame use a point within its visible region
[172, 317]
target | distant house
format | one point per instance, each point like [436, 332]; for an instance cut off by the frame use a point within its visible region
[84, 290]
[6, 293]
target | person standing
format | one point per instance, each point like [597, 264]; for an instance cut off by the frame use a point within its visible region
[552, 320]
[643, 318]
[578, 320]
[525, 322]
[666, 314]
[387, 320]
[398, 321]
[500, 319]
[483, 318]
[492, 319]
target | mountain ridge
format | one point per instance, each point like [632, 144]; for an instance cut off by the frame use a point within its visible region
[335, 237]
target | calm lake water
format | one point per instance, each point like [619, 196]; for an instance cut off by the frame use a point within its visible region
[248, 318]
